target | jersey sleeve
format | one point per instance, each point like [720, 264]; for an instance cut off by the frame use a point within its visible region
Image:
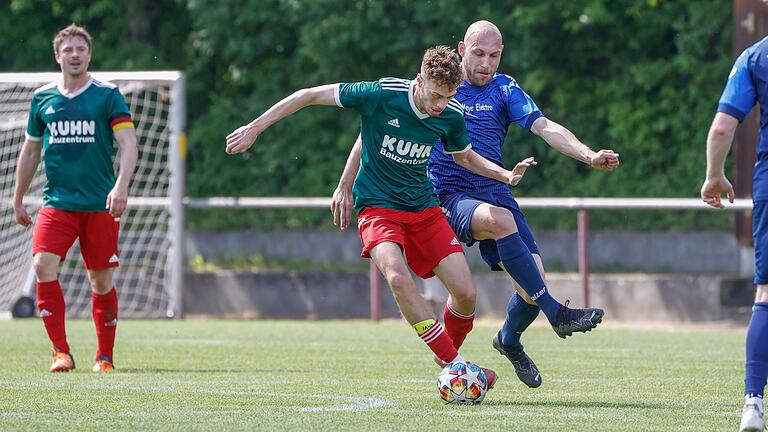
[117, 111]
[456, 139]
[521, 108]
[363, 96]
[739, 94]
[35, 125]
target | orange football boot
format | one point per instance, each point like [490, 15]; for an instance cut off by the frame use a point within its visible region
[62, 362]
[103, 364]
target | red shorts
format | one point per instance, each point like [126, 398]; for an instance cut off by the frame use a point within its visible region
[425, 236]
[56, 230]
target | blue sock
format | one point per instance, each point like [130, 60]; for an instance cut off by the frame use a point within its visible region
[520, 315]
[757, 351]
[520, 264]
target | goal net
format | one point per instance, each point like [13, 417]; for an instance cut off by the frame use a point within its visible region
[149, 278]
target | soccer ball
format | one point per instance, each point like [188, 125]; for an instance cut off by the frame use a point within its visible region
[462, 383]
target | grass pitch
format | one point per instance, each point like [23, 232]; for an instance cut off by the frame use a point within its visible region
[359, 376]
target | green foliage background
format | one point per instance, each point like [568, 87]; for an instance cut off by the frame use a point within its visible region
[638, 76]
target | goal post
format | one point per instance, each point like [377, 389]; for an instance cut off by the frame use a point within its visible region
[150, 277]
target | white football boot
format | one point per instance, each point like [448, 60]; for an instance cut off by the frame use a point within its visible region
[752, 415]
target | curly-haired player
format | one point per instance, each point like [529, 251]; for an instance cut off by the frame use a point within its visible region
[399, 220]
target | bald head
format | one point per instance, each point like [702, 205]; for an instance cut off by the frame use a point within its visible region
[481, 52]
[483, 29]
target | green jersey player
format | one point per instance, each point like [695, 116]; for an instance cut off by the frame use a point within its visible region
[76, 121]
[399, 220]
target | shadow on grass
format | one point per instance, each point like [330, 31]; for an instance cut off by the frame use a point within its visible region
[583, 404]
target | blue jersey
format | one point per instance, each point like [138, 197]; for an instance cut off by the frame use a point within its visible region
[747, 84]
[488, 112]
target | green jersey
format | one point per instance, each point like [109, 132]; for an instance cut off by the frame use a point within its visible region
[77, 131]
[397, 142]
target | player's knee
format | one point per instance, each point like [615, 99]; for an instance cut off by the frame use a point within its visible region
[466, 296]
[400, 282]
[501, 223]
[46, 267]
[101, 281]
[100, 287]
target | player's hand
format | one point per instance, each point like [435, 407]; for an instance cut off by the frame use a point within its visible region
[117, 200]
[22, 217]
[713, 188]
[241, 139]
[519, 170]
[605, 160]
[341, 206]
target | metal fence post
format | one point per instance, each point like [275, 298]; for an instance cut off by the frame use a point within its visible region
[375, 283]
[583, 241]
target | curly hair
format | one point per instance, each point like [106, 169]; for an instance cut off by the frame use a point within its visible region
[71, 30]
[442, 65]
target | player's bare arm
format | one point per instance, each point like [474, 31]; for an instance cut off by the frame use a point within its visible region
[242, 138]
[342, 200]
[480, 165]
[117, 199]
[719, 140]
[564, 141]
[26, 166]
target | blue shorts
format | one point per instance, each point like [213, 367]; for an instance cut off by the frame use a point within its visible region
[459, 207]
[760, 239]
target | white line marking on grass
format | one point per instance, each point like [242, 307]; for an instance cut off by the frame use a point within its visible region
[354, 404]
[347, 403]
[197, 341]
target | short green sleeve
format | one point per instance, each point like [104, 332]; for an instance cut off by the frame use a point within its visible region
[35, 125]
[363, 96]
[456, 139]
[116, 106]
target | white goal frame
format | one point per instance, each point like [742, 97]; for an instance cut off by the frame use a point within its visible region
[173, 201]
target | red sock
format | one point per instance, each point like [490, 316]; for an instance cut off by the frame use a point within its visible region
[105, 320]
[457, 325]
[51, 307]
[439, 342]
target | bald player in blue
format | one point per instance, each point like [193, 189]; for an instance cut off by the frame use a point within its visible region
[485, 211]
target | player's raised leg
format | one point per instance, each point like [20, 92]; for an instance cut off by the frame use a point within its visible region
[496, 223]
